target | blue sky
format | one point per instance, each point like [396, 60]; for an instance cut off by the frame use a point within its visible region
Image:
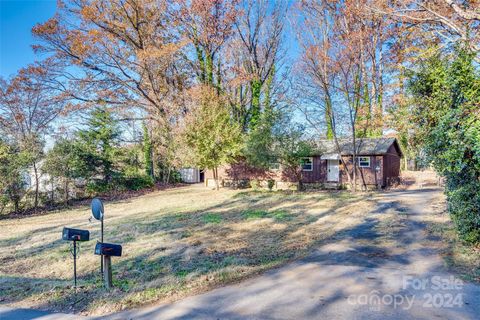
[17, 17]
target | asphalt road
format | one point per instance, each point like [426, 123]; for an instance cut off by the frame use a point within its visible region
[352, 277]
[27, 314]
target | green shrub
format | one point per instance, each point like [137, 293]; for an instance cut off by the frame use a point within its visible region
[270, 184]
[445, 104]
[97, 187]
[255, 184]
[120, 183]
[3, 202]
[139, 182]
[464, 207]
[46, 198]
[175, 177]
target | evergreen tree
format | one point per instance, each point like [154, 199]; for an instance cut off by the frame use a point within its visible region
[97, 145]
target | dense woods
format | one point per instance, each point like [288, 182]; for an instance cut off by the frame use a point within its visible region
[125, 93]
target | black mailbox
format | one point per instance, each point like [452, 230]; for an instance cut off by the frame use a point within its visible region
[70, 234]
[108, 249]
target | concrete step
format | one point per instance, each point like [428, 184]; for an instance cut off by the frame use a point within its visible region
[331, 185]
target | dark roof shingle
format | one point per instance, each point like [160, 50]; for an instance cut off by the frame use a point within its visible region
[364, 146]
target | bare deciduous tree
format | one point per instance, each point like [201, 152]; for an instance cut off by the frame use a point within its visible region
[341, 72]
[118, 52]
[446, 20]
[28, 107]
[259, 38]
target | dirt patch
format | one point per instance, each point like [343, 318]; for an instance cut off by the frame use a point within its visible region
[418, 179]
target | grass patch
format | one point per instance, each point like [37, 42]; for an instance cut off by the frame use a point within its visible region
[253, 214]
[281, 215]
[212, 218]
[278, 215]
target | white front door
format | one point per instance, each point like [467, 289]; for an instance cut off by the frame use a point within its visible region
[332, 170]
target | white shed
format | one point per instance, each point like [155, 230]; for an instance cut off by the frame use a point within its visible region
[190, 175]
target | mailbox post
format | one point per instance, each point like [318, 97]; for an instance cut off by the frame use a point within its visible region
[107, 274]
[102, 270]
[98, 213]
[75, 235]
[108, 250]
[104, 250]
[74, 263]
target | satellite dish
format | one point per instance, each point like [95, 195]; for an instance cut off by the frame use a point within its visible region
[97, 209]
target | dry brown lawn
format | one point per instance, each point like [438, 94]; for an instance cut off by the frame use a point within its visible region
[176, 242]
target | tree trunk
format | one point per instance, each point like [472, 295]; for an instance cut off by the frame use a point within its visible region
[16, 205]
[169, 170]
[328, 116]
[66, 191]
[215, 177]
[300, 181]
[37, 178]
[52, 197]
[153, 166]
[344, 163]
[354, 174]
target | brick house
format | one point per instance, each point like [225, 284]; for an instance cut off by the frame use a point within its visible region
[378, 166]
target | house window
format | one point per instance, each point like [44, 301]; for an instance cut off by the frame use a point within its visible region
[364, 162]
[274, 166]
[307, 164]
